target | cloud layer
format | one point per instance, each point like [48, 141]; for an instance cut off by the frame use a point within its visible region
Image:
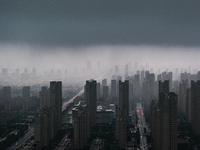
[100, 22]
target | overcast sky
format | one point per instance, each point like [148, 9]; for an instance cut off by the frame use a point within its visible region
[100, 22]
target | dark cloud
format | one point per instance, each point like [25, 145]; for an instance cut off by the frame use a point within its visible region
[100, 22]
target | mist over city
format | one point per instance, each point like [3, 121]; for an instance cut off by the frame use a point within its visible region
[99, 74]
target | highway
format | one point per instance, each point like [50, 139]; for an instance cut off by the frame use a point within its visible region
[22, 140]
[79, 94]
[141, 125]
[71, 100]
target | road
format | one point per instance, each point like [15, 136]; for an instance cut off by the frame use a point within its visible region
[141, 125]
[22, 140]
[80, 93]
[71, 100]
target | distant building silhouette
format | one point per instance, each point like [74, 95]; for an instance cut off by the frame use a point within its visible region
[44, 97]
[105, 93]
[7, 93]
[7, 97]
[116, 70]
[5, 72]
[26, 95]
[163, 87]
[182, 95]
[113, 93]
[98, 90]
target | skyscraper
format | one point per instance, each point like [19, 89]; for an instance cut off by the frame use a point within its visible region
[195, 106]
[164, 119]
[49, 119]
[26, 93]
[91, 101]
[26, 97]
[44, 97]
[81, 128]
[122, 113]
[124, 97]
[168, 121]
[182, 95]
[7, 93]
[188, 105]
[7, 97]
[98, 90]
[155, 124]
[113, 93]
[105, 93]
[56, 102]
[42, 127]
[163, 87]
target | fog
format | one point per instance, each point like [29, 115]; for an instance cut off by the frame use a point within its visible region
[65, 35]
[24, 56]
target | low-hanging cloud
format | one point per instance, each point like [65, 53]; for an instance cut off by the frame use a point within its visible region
[100, 22]
[158, 57]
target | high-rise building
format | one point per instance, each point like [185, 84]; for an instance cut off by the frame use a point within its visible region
[113, 92]
[124, 97]
[126, 70]
[155, 124]
[136, 86]
[188, 105]
[117, 70]
[130, 90]
[168, 121]
[182, 95]
[81, 127]
[26, 93]
[49, 119]
[195, 106]
[91, 101]
[84, 118]
[26, 97]
[122, 113]
[104, 82]
[164, 119]
[98, 90]
[105, 93]
[7, 93]
[142, 78]
[42, 127]
[44, 97]
[163, 87]
[56, 102]
[121, 127]
[7, 97]
[5, 72]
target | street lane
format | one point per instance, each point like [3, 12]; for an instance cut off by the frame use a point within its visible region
[22, 140]
[141, 125]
